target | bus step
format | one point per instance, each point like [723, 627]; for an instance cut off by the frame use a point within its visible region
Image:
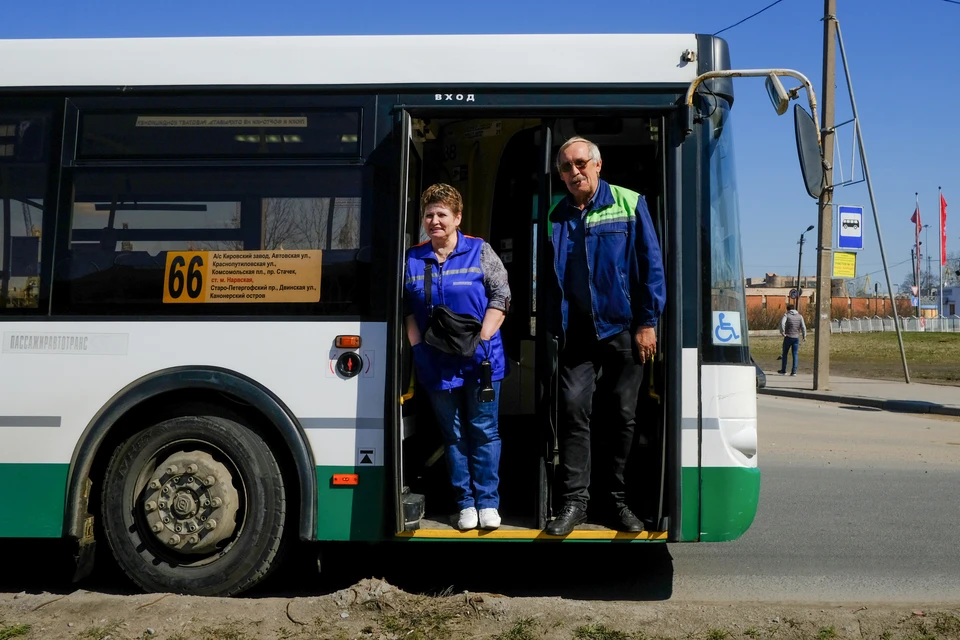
[413, 510]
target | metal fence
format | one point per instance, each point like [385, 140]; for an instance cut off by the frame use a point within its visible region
[908, 323]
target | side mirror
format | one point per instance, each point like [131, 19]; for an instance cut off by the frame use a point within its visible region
[808, 149]
[778, 95]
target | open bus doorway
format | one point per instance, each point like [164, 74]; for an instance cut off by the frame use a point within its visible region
[498, 165]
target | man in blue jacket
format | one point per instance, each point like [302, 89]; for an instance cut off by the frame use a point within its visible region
[608, 279]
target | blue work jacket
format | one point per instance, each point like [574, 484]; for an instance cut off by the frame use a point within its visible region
[458, 284]
[627, 288]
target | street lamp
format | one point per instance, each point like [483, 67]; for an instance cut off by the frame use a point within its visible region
[799, 266]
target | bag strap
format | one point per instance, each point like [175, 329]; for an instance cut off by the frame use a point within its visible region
[428, 285]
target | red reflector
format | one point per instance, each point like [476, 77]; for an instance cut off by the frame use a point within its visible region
[348, 479]
[348, 342]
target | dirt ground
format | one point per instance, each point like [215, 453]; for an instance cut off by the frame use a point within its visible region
[375, 609]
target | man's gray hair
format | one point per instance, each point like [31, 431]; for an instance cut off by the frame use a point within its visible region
[591, 147]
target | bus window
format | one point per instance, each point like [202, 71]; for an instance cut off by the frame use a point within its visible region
[124, 222]
[110, 136]
[23, 185]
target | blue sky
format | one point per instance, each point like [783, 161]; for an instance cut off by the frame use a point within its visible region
[902, 64]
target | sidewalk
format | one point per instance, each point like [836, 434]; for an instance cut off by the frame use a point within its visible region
[888, 395]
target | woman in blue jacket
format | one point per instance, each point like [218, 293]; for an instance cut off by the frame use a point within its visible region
[468, 277]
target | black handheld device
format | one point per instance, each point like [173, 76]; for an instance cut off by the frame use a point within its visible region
[486, 392]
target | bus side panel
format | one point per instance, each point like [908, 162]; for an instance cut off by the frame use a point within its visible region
[730, 478]
[689, 446]
[32, 499]
[56, 376]
[351, 512]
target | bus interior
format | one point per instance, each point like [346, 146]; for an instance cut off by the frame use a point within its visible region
[501, 166]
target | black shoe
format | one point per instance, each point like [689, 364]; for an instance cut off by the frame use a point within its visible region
[570, 516]
[627, 521]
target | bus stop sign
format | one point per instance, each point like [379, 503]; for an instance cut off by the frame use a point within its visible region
[850, 234]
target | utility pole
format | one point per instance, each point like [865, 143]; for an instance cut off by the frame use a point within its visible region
[821, 348]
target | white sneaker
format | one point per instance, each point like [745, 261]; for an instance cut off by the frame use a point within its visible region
[489, 519]
[468, 519]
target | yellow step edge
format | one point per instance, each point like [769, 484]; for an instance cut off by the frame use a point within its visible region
[530, 534]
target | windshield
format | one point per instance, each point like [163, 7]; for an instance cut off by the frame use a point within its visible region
[726, 307]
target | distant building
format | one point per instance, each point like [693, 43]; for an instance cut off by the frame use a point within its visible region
[951, 300]
[773, 291]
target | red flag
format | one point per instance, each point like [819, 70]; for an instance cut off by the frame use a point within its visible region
[916, 219]
[943, 231]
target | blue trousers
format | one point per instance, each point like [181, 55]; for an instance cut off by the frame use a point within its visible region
[788, 344]
[472, 443]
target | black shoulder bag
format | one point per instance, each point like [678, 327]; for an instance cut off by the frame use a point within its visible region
[455, 333]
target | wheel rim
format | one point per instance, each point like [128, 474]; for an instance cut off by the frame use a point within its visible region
[189, 505]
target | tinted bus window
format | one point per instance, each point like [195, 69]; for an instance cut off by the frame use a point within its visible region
[156, 135]
[24, 148]
[128, 225]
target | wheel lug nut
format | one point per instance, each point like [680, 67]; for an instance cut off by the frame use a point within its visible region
[151, 506]
[193, 539]
[192, 468]
[179, 528]
[173, 470]
[174, 540]
[163, 504]
[192, 527]
[216, 502]
[211, 524]
[166, 520]
[165, 491]
[209, 481]
[157, 527]
[154, 484]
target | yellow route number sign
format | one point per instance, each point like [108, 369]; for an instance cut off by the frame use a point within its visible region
[844, 264]
[242, 276]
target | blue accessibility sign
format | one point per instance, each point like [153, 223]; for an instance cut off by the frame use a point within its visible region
[726, 328]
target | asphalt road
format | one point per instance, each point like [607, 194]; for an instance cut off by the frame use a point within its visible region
[856, 506]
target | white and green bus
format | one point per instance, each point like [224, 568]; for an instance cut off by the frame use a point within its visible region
[200, 288]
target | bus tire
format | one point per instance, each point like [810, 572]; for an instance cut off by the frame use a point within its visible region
[194, 505]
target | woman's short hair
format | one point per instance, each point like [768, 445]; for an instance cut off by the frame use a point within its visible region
[444, 194]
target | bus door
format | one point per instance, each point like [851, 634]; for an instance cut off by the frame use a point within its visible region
[546, 344]
[408, 505]
[634, 156]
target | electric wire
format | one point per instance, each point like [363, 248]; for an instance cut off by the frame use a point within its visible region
[761, 11]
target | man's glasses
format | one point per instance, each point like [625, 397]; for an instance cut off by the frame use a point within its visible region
[581, 164]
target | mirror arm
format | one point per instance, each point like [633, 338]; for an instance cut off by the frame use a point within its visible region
[747, 73]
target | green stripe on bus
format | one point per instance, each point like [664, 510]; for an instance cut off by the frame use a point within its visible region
[31, 503]
[729, 500]
[689, 504]
[351, 512]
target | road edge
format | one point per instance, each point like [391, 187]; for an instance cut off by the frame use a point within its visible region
[894, 406]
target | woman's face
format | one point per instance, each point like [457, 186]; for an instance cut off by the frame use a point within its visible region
[439, 221]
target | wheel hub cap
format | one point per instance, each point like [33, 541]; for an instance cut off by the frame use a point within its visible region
[190, 502]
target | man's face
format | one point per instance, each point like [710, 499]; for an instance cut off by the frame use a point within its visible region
[579, 172]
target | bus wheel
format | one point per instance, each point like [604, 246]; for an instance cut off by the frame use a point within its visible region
[194, 505]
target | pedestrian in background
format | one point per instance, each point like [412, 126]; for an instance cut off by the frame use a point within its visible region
[792, 328]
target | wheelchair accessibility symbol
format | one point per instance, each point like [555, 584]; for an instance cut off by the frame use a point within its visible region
[725, 325]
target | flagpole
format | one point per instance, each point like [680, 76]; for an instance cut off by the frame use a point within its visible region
[941, 238]
[916, 242]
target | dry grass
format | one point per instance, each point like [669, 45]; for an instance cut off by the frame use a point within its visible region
[931, 357]
[13, 631]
